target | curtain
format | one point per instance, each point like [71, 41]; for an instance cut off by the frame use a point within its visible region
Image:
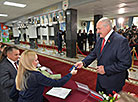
[88, 26]
[130, 22]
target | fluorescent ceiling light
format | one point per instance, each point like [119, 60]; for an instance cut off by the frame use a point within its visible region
[121, 10]
[3, 15]
[14, 4]
[122, 5]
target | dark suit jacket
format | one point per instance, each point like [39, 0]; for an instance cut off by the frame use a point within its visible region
[7, 75]
[36, 83]
[115, 58]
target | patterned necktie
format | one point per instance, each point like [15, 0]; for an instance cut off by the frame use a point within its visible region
[102, 45]
[16, 65]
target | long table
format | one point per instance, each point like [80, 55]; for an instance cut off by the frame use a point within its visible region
[74, 96]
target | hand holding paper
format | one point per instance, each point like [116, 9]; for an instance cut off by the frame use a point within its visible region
[79, 64]
[73, 71]
[73, 67]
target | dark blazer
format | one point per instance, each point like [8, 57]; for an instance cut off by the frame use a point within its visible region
[115, 58]
[36, 83]
[7, 76]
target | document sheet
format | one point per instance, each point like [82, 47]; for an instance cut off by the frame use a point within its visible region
[59, 92]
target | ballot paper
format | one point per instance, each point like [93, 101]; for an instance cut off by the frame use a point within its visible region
[53, 76]
[59, 92]
[82, 87]
[73, 67]
[46, 69]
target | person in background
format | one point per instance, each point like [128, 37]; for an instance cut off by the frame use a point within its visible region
[90, 39]
[84, 38]
[80, 40]
[64, 33]
[113, 58]
[115, 28]
[134, 42]
[24, 36]
[60, 33]
[30, 82]
[8, 70]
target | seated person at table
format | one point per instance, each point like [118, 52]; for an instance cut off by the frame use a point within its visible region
[30, 82]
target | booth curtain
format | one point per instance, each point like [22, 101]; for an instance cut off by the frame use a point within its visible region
[88, 26]
[130, 22]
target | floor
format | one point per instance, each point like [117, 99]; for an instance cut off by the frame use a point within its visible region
[133, 75]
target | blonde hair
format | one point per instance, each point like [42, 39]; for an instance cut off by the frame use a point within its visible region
[25, 64]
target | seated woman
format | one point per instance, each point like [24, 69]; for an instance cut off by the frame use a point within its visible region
[30, 82]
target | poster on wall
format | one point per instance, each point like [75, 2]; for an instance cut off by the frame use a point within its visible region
[51, 31]
[55, 14]
[60, 13]
[45, 31]
[50, 17]
[4, 33]
[35, 20]
[15, 32]
[41, 20]
[32, 31]
[45, 20]
[63, 26]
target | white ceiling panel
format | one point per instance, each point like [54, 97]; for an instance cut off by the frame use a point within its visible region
[87, 10]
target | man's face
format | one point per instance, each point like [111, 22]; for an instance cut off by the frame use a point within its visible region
[13, 55]
[102, 30]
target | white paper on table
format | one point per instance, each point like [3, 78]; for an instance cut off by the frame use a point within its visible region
[82, 86]
[47, 69]
[59, 92]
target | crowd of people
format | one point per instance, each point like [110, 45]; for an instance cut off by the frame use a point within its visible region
[131, 34]
[82, 38]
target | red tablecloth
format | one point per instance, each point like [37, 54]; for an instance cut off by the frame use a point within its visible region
[74, 96]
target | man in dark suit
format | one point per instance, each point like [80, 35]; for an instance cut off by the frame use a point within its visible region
[8, 71]
[84, 38]
[60, 33]
[80, 40]
[113, 58]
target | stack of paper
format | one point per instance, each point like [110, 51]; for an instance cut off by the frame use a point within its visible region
[59, 92]
[53, 76]
[82, 87]
[85, 88]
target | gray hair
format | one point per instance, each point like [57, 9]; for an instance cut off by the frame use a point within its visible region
[106, 21]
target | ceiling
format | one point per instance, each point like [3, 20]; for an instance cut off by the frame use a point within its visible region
[108, 8]
[86, 11]
[15, 12]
